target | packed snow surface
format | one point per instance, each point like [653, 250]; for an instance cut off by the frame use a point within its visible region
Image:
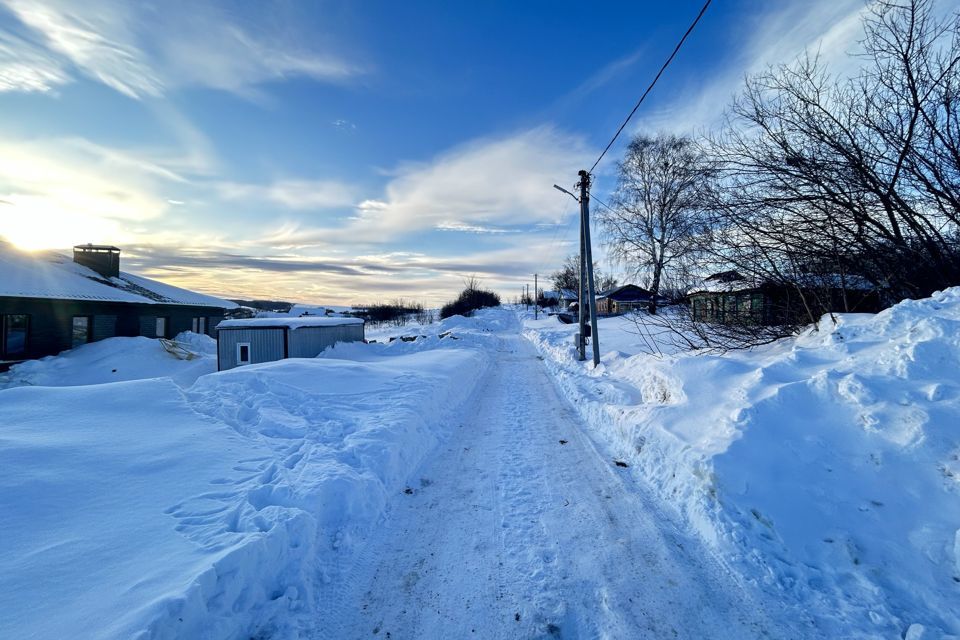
[825, 467]
[482, 484]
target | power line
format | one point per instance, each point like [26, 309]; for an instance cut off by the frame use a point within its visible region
[659, 73]
[602, 203]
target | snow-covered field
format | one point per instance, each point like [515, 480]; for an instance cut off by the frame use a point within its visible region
[488, 484]
[823, 467]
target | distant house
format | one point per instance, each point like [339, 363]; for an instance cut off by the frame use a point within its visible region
[257, 340]
[50, 303]
[730, 298]
[623, 299]
[562, 298]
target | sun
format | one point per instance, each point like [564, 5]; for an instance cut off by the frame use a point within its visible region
[33, 224]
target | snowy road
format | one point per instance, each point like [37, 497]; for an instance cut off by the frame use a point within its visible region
[522, 527]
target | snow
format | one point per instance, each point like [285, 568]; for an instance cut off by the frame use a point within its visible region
[49, 274]
[486, 483]
[142, 510]
[287, 322]
[822, 467]
[117, 360]
[521, 527]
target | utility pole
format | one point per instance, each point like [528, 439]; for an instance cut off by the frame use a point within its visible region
[586, 275]
[536, 297]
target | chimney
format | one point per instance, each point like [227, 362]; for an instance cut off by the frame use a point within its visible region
[103, 259]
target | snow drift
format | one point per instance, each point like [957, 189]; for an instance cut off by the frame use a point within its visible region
[117, 360]
[141, 509]
[826, 466]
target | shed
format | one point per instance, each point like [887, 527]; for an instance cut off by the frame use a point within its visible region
[256, 340]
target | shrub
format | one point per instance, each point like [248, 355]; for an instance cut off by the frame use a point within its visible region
[470, 299]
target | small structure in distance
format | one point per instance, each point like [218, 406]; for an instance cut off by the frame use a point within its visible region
[256, 340]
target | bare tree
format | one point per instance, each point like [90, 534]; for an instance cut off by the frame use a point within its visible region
[845, 181]
[568, 276]
[657, 222]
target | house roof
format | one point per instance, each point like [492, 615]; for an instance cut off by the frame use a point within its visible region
[732, 281]
[287, 323]
[626, 293]
[49, 274]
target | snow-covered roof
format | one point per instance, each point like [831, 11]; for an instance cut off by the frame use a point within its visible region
[626, 292]
[49, 274]
[736, 283]
[723, 286]
[287, 323]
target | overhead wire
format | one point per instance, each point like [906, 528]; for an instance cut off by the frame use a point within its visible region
[652, 84]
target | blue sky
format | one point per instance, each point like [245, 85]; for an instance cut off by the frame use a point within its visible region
[351, 151]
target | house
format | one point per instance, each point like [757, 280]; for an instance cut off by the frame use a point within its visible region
[730, 298]
[256, 340]
[50, 303]
[623, 299]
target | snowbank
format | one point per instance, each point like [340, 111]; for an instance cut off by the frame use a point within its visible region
[116, 360]
[143, 510]
[824, 466]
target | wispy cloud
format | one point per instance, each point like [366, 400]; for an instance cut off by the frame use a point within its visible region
[28, 67]
[220, 268]
[498, 181]
[779, 34]
[472, 228]
[144, 50]
[292, 194]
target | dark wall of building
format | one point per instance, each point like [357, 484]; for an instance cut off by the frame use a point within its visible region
[51, 321]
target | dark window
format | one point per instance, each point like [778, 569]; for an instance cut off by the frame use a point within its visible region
[81, 331]
[200, 325]
[161, 330]
[15, 331]
[243, 353]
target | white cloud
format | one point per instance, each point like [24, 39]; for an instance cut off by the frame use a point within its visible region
[501, 181]
[292, 194]
[27, 67]
[96, 38]
[144, 50]
[471, 228]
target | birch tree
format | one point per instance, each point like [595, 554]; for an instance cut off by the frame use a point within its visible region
[656, 222]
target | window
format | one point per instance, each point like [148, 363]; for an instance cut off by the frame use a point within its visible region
[243, 353]
[81, 331]
[15, 331]
[199, 325]
[161, 330]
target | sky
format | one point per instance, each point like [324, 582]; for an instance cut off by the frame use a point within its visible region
[354, 151]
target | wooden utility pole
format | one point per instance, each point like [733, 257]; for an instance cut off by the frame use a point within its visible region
[536, 298]
[587, 290]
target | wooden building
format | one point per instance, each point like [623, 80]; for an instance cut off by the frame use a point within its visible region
[257, 340]
[623, 299]
[730, 298]
[50, 303]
